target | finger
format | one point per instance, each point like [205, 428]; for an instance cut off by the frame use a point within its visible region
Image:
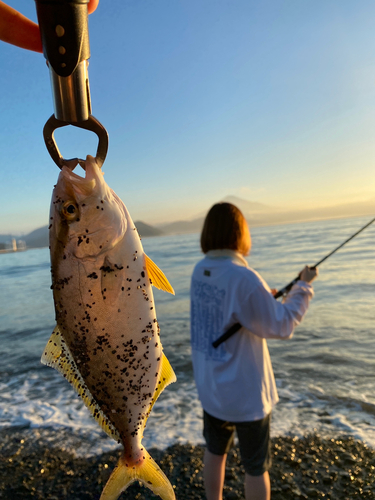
[18, 29]
[92, 5]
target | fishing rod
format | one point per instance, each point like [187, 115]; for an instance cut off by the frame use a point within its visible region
[286, 289]
[234, 328]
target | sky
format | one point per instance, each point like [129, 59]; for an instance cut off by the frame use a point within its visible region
[272, 101]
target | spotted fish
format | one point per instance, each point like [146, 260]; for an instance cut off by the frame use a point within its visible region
[106, 341]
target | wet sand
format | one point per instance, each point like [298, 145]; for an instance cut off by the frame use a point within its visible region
[311, 467]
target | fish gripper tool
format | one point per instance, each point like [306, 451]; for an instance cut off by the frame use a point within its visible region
[65, 37]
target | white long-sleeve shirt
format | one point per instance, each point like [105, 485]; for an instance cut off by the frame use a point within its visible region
[235, 381]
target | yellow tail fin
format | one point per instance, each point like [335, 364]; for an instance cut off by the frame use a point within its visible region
[149, 473]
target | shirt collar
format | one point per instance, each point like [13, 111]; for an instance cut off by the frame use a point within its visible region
[225, 253]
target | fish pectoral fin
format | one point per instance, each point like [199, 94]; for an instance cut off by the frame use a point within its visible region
[158, 278]
[167, 376]
[58, 356]
[147, 471]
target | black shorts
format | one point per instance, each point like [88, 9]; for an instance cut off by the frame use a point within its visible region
[254, 441]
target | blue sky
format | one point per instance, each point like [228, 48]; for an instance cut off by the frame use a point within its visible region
[271, 101]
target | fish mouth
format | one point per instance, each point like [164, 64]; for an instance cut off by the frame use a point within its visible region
[84, 186]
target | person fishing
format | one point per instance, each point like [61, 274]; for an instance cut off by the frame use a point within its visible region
[235, 382]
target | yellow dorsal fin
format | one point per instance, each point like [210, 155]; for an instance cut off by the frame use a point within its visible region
[145, 470]
[157, 276]
[57, 355]
[167, 376]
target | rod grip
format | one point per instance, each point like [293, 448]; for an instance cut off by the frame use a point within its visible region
[231, 331]
[286, 288]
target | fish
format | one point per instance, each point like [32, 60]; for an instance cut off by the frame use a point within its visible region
[106, 342]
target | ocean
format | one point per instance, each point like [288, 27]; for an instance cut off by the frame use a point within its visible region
[324, 374]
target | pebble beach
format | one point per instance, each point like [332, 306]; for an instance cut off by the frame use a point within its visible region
[303, 468]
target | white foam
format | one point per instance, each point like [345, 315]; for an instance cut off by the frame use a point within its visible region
[176, 416]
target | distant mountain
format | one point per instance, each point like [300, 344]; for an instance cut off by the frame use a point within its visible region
[145, 230]
[251, 210]
[37, 238]
[183, 226]
[249, 207]
[258, 214]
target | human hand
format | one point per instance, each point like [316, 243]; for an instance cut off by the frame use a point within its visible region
[273, 291]
[308, 274]
[21, 31]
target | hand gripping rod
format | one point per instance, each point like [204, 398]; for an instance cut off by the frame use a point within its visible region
[234, 328]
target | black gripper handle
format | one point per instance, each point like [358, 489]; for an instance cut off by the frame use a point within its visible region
[64, 30]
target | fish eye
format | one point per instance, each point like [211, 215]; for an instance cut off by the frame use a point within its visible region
[70, 211]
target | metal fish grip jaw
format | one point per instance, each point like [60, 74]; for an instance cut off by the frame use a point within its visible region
[91, 124]
[64, 32]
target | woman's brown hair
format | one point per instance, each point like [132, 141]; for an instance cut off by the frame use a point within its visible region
[225, 227]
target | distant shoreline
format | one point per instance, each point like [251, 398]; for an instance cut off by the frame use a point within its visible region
[6, 250]
[41, 240]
